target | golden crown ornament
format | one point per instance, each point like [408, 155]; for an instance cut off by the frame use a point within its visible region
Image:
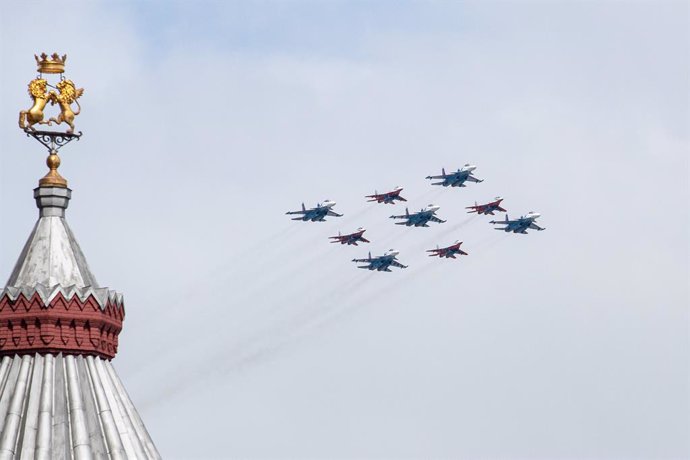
[67, 94]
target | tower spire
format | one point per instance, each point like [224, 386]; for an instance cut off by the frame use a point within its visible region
[60, 396]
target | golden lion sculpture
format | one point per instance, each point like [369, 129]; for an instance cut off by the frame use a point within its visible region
[68, 94]
[37, 91]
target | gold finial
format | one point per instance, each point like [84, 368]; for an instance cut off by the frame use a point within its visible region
[53, 178]
[67, 94]
[51, 64]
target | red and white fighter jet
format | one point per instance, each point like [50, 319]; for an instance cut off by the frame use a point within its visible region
[448, 252]
[352, 238]
[487, 208]
[388, 197]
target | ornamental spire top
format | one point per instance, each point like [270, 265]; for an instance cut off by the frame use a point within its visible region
[51, 64]
[66, 95]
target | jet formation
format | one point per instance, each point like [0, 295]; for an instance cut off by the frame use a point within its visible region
[421, 218]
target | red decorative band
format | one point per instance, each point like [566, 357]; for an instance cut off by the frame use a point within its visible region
[62, 325]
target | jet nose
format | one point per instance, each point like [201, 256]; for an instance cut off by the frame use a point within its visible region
[329, 203]
[433, 207]
[471, 167]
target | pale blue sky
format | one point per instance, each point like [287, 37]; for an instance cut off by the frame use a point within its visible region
[568, 343]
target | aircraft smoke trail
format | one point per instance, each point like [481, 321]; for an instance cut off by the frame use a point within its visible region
[293, 324]
[269, 341]
[356, 218]
[491, 244]
[253, 294]
[457, 226]
[489, 241]
[429, 195]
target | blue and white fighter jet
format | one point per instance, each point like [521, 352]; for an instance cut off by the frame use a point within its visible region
[316, 214]
[381, 263]
[519, 225]
[421, 218]
[457, 178]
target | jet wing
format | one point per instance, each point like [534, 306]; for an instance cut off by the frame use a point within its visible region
[474, 179]
[296, 212]
[395, 263]
[436, 219]
[442, 176]
[333, 213]
[536, 227]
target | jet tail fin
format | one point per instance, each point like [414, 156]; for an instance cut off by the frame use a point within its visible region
[443, 171]
[303, 207]
[369, 255]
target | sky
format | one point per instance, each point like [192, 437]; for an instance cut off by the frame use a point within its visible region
[250, 336]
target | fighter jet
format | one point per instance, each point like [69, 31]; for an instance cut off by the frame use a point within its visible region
[448, 252]
[388, 197]
[421, 218]
[487, 208]
[519, 225]
[381, 263]
[457, 178]
[352, 238]
[316, 214]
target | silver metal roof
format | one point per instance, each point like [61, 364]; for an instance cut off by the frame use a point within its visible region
[68, 407]
[52, 256]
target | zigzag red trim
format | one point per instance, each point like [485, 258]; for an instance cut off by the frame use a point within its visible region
[63, 325]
